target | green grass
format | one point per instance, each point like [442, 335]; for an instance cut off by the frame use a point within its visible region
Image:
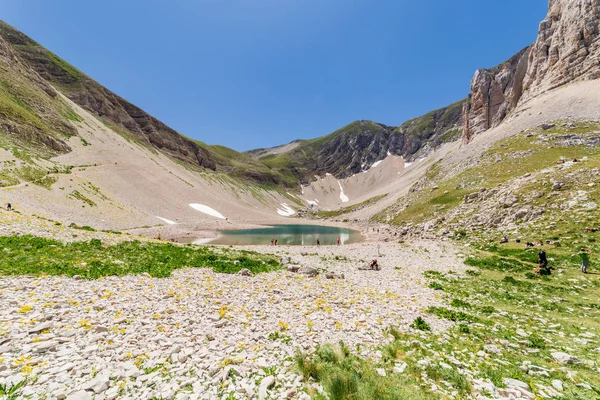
[499, 305]
[345, 376]
[76, 194]
[28, 255]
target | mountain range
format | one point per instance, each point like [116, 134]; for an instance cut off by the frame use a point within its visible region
[55, 121]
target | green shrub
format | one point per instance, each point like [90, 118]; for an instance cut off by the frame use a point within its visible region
[420, 324]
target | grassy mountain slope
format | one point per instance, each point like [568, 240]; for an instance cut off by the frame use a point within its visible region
[525, 186]
[35, 118]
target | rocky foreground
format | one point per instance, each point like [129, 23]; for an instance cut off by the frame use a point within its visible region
[202, 335]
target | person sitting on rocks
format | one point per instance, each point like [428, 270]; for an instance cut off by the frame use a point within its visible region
[529, 244]
[374, 265]
[504, 240]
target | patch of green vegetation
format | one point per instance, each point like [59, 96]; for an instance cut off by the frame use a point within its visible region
[452, 315]
[73, 72]
[83, 228]
[28, 255]
[71, 115]
[349, 209]
[77, 195]
[511, 331]
[420, 324]
[345, 376]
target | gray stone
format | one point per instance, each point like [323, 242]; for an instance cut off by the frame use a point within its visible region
[264, 387]
[80, 395]
[564, 358]
[308, 271]
[41, 327]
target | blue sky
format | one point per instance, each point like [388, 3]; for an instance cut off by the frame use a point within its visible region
[257, 73]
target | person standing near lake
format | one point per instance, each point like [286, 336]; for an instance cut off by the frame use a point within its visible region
[585, 259]
[318, 242]
[339, 242]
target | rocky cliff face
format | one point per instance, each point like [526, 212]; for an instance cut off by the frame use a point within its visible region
[358, 145]
[494, 93]
[567, 50]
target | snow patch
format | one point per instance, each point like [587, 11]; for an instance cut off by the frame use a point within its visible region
[343, 197]
[376, 163]
[408, 164]
[388, 153]
[168, 221]
[312, 203]
[207, 210]
[285, 210]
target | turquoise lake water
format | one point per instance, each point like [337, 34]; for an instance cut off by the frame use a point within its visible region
[300, 235]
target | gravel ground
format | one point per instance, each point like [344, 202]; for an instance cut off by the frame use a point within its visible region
[204, 335]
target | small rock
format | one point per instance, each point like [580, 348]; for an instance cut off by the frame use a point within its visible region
[558, 385]
[41, 327]
[564, 358]
[80, 395]
[245, 272]
[265, 384]
[308, 271]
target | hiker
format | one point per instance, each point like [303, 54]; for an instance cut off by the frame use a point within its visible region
[504, 240]
[543, 263]
[374, 264]
[272, 242]
[318, 242]
[339, 241]
[275, 243]
[9, 207]
[585, 259]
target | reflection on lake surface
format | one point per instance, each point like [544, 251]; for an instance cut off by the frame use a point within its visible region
[302, 235]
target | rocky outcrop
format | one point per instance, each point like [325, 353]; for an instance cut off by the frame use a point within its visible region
[567, 48]
[358, 145]
[494, 94]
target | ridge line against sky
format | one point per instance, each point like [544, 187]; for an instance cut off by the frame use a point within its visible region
[260, 73]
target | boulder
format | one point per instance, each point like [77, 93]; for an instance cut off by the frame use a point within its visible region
[308, 271]
[245, 272]
[293, 268]
[564, 358]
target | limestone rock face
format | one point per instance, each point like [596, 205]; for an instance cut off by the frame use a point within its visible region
[567, 48]
[494, 93]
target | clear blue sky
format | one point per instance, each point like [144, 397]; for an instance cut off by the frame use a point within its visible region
[257, 73]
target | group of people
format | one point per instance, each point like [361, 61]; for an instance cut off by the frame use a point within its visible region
[339, 242]
[543, 267]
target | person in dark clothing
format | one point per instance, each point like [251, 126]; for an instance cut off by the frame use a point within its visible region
[374, 264]
[9, 207]
[318, 242]
[543, 263]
